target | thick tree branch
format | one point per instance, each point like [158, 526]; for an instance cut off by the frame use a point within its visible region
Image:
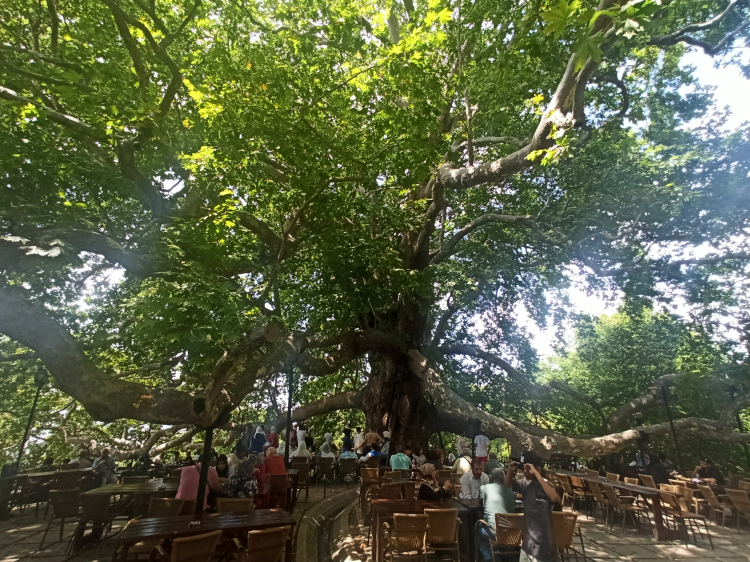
[343, 401]
[130, 44]
[151, 367]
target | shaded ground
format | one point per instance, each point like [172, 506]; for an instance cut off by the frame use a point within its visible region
[334, 528]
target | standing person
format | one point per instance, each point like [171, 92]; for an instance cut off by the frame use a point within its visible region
[301, 433]
[419, 458]
[472, 481]
[482, 448]
[400, 461]
[463, 463]
[347, 441]
[538, 499]
[708, 472]
[359, 441]
[496, 498]
[372, 438]
[106, 467]
[259, 439]
[273, 437]
[385, 448]
[247, 438]
[461, 444]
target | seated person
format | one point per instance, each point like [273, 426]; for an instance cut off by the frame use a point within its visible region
[274, 463]
[430, 489]
[348, 454]
[472, 481]
[375, 452]
[400, 461]
[492, 464]
[463, 463]
[656, 470]
[325, 452]
[223, 470]
[496, 498]
[708, 473]
[188, 489]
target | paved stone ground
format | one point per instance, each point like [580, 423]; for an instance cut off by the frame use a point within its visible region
[20, 537]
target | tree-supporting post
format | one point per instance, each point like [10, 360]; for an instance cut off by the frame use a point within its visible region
[671, 424]
[205, 464]
[289, 416]
[40, 376]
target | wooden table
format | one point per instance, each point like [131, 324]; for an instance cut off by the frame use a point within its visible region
[366, 483]
[148, 488]
[383, 510]
[48, 474]
[168, 528]
[661, 533]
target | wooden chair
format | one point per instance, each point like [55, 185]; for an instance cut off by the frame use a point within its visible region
[743, 485]
[676, 482]
[26, 490]
[165, 507]
[373, 462]
[613, 477]
[457, 489]
[303, 479]
[667, 488]
[564, 526]
[599, 501]
[627, 509]
[456, 478]
[262, 546]
[741, 503]
[677, 511]
[347, 467]
[580, 491]
[95, 509]
[443, 475]
[411, 489]
[508, 535]
[142, 502]
[633, 481]
[590, 472]
[64, 506]
[567, 487]
[407, 537]
[647, 480]
[368, 472]
[232, 505]
[714, 505]
[394, 475]
[277, 486]
[325, 469]
[199, 548]
[136, 479]
[442, 531]
[384, 492]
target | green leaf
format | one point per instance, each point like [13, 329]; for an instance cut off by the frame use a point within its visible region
[557, 18]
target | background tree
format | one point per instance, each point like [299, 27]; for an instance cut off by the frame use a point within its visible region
[343, 188]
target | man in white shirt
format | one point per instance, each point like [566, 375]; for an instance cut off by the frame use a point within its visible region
[482, 449]
[473, 480]
[359, 440]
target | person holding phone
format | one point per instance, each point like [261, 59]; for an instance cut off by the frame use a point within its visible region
[538, 499]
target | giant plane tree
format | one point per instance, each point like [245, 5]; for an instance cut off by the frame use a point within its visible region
[368, 192]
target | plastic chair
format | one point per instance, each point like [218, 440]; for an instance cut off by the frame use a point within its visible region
[442, 531]
[627, 509]
[165, 507]
[262, 546]
[325, 469]
[714, 505]
[199, 548]
[135, 479]
[689, 519]
[741, 503]
[64, 506]
[347, 467]
[613, 477]
[647, 480]
[407, 537]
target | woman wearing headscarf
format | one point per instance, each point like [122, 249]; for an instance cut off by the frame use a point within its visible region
[223, 469]
[274, 463]
[328, 438]
[259, 439]
[273, 437]
[303, 452]
[325, 451]
[430, 489]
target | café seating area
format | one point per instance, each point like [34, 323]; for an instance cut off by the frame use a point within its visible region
[375, 518]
